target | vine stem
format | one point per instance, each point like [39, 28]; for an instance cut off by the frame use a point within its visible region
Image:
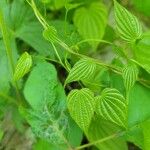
[100, 140]
[6, 40]
[96, 40]
[67, 48]
[58, 56]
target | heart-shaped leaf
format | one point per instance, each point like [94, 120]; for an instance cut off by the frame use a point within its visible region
[81, 105]
[127, 24]
[112, 106]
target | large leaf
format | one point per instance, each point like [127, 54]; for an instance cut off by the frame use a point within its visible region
[146, 133]
[99, 129]
[142, 52]
[91, 21]
[81, 105]
[127, 24]
[111, 105]
[139, 100]
[48, 118]
[138, 108]
[82, 70]
[21, 20]
[143, 6]
[41, 82]
[50, 123]
[130, 75]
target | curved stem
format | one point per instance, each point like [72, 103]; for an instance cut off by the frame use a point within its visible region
[96, 40]
[101, 140]
[57, 54]
[89, 58]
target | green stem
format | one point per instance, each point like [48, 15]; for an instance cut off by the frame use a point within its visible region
[100, 140]
[6, 40]
[38, 14]
[66, 14]
[89, 58]
[96, 40]
[66, 47]
[57, 54]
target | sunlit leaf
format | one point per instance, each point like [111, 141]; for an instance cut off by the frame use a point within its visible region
[23, 66]
[130, 75]
[112, 106]
[82, 70]
[81, 105]
[128, 26]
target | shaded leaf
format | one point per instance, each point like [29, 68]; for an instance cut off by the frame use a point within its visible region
[146, 133]
[142, 52]
[40, 84]
[99, 129]
[91, 21]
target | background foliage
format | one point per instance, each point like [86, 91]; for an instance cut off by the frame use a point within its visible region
[74, 74]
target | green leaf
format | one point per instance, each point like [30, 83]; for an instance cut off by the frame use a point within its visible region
[142, 52]
[35, 40]
[50, 124]
[50, 34]
[82, 70]
[142, 6]
[138, 108]
[111, 105]
[40, 84]
[130, 75]
[81, 105]
[99, 129]
[23, 24]
[23, 66]
[91, 21]
[70, 6]
[146, 133]
[128, 26]
[98, 80]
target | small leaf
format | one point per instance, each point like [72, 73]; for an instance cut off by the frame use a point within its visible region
[127, 24]
[130, 75]
[112, 106]
[81, 105]
[91, 21]
[82, 70]
[50, 34]
[23, 66]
